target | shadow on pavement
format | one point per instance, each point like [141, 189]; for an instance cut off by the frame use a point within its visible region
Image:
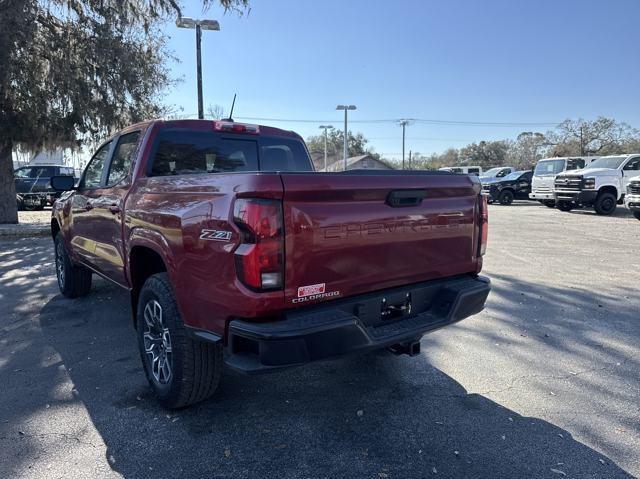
[375, 415]
[367, 416]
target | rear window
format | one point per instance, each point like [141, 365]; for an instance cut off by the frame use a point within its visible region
[182, 152]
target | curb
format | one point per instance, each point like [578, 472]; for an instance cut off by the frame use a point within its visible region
[24, 231]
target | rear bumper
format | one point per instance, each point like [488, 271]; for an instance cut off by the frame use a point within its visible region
[577, 196]
[353, 324]
[537, 195]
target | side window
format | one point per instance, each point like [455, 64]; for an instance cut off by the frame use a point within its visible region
[23, 173]
[123, 157]
[93, 173]
[633, 164]
[40, 172]
[193, 152]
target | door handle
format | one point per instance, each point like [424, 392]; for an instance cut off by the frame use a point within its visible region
[400, 198]
[114, 209]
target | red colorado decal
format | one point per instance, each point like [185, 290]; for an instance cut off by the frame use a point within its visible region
[310, 290]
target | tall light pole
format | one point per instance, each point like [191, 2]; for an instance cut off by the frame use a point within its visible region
[346, 108]
[403, 123]
[199, 25]
[325, 128]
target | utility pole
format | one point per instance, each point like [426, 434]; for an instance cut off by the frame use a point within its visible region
[581, 142]
[346, 108]
[325, 128]
[199, 25]
[409, 159]
[403, 123]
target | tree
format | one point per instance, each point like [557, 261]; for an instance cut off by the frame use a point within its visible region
[485, 154]
[356, 144]
[528, 148]
[71, 70]
[215, 112]
[603, 136]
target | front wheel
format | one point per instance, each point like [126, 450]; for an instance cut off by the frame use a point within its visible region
[637, 214]
[605, 204]
[506, 198]
[565, 205]
[74, 280]
[181, 371]
[549, 203]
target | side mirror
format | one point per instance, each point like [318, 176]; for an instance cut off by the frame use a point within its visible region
[62, 183]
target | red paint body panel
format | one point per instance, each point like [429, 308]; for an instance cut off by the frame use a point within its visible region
[338, 230]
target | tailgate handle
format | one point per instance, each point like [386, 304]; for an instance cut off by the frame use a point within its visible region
[400, 198]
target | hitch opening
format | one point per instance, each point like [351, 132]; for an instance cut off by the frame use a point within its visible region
[410, 348]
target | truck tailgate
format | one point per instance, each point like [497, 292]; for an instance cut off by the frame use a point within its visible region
[348, 234]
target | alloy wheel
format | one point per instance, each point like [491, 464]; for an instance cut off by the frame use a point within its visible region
[157, 343]
[60, 264]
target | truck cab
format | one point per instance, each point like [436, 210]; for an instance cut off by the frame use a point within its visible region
[545, 173]
[602, 185]
[632, 198]
[496, 173]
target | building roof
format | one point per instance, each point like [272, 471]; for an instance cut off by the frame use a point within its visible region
[339, 165]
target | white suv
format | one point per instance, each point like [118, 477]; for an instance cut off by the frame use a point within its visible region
[602, 185]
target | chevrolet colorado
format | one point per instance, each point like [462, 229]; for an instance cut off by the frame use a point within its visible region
[234, 251]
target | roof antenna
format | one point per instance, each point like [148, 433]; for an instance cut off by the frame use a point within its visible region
[232, 105]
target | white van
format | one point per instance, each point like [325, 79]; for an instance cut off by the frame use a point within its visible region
[465, 170]
[545, 172]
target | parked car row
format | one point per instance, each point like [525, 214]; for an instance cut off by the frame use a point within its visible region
[601, 183]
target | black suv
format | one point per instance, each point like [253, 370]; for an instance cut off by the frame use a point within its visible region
[514, 186]
[33, 189]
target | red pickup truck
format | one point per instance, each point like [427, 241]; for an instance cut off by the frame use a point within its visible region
[235, 251]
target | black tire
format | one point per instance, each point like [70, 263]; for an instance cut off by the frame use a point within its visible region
[506, 198]
[74, 280]
[194, 366]
[636, 214]
[564, 205]
[605, 204]
[549, 203]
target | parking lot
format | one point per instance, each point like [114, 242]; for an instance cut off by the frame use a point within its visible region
[544, 383]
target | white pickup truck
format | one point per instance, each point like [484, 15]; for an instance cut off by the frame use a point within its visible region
[602, 185]
[632, 198]
[545, 173]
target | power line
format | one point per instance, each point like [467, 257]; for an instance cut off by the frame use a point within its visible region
[417, 120]
[395, 120]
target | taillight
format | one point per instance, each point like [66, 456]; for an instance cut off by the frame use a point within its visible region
[484, 223]
[232, 127]
[259, 258]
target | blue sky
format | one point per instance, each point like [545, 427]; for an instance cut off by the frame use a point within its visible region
[459, 60]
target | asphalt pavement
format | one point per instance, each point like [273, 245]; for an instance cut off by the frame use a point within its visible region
[544, 383]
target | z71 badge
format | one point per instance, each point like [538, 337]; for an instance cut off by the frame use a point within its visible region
[215, 235]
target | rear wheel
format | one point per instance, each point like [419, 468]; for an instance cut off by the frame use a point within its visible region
[605, 204]
[73, 279]
[181, 371]
[564, 205]
[506, 198]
